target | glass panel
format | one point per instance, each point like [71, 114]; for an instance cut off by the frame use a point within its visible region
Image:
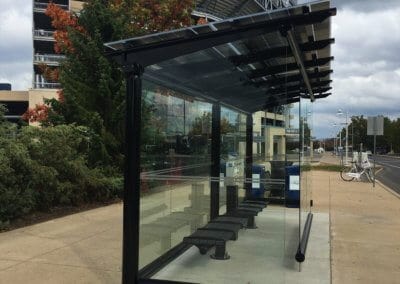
[175, 165]
[307, 155]
[292, 180]
[233, 153]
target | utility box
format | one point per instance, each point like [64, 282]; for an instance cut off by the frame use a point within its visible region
[292, 186]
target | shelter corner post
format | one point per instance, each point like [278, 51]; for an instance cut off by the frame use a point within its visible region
[215, 159]
[131, 207]
[249, 154]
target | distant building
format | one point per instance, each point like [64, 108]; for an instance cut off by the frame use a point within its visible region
[43, 53]
[43, 41]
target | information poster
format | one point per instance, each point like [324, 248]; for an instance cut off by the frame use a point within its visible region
[294, 182]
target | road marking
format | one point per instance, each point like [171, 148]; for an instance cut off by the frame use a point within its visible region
[389, 165]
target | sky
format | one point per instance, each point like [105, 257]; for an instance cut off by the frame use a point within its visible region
[366, 78]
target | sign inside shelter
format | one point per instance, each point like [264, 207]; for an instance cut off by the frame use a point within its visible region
[294, 182]
[221, 180]
[256, 181]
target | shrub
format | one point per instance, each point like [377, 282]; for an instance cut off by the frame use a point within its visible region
[45, 167]
[16, 193]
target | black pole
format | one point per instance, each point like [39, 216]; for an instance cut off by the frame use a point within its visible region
[131, 215]
[374, 156]
[249, 154]
[215, 159]
[302, 248]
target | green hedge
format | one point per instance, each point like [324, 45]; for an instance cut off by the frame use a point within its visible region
[45, 167]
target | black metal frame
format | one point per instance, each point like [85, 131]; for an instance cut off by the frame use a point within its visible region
[301, 250]
[131, 210]
[215, 159]
[249, 154]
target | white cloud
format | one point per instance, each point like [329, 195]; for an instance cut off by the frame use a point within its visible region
[366, 79]
[16, 43]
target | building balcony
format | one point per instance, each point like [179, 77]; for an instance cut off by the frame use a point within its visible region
[42, 6]
[46, 85]
[48, 59]
[275, 4]
[43, 35]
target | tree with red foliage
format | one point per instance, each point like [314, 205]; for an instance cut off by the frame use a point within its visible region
[93, 87]
[63, 21]
[38, 114]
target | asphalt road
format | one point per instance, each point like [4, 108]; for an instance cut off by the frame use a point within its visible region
[390, 175]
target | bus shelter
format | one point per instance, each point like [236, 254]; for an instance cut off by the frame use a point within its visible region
[193, 183]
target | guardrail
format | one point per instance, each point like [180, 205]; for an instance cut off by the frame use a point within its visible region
[275, 4]
[44, 33]
[43, 6]
[48, 58]
[42, 85]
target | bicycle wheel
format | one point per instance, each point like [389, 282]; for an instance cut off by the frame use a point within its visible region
[344, 173]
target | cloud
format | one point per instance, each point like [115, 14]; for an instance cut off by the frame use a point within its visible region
[365, 5]
[367, 38]
[366, 79]
[16, 43]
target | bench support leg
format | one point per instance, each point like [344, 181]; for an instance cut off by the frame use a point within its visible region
[251, 224]
[220, 252]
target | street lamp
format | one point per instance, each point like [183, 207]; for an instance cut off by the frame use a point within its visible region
[340, 112]
[336, 147]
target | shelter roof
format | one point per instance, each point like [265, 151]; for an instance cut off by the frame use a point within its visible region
[251, 62]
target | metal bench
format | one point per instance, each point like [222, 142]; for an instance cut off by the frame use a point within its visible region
[224, 227]
[204, 240]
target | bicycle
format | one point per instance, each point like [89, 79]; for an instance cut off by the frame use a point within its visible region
[355, 171]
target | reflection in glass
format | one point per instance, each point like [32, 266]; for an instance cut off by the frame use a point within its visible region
[175, 191]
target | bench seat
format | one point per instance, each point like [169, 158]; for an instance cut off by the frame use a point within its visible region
[204, 240]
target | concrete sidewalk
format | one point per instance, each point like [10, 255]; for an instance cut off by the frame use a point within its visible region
[80, 248]
[364, 231]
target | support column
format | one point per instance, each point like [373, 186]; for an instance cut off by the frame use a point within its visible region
[215, 159]
[249, 154]
[131, 210]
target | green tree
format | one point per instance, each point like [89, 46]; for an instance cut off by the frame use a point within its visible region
[93, 86]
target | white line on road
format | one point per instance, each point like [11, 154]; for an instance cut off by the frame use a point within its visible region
[389, 165]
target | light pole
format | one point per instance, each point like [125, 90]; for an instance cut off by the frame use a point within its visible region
[340, 112]
[336, 148]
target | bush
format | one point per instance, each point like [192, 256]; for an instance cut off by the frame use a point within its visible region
[46, 167]
[16, 193]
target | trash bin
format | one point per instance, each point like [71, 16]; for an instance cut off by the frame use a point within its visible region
[292, 186]
[257, 187]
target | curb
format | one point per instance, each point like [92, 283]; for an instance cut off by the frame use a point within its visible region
[388, 189]
[389, 156]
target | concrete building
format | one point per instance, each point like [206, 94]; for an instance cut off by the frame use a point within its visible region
[43, 41]
[17, 102]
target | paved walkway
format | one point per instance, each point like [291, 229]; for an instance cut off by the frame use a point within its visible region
[364, 228]
[86, 247]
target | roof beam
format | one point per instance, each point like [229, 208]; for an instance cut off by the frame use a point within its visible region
[282, 51]
[320, 96]
[283, 101]
[300, 86]
[289, 79]
[296, 90]
[276, 69]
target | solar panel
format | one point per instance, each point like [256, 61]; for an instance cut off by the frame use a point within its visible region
[201, 59]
